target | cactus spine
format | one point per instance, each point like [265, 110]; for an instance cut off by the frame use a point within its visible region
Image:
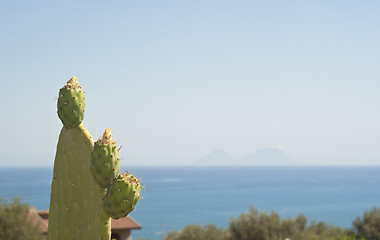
[82, 172]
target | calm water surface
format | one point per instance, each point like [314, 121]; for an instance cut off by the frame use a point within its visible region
[176, 196]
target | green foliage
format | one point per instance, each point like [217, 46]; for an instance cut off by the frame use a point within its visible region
[15, 223]
[254, 225]
[369, 226]
[261, 226]
[264, 226]
[197, 232]
[347, 237]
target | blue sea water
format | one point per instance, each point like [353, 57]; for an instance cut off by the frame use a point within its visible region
[174, 197]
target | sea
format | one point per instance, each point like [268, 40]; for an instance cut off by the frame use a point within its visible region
[174, 197]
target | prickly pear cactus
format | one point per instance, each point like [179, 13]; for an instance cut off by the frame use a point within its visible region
[122, 195]
[83, 170]
[71, 104]
[105, 159]
[76, 206]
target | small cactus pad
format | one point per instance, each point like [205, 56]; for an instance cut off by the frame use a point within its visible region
[71, 104]
[122, 196]
[105, 159]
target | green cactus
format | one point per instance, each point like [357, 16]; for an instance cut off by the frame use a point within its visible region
[77, 209]
[105, 159]
[76, 206]
[122, 195]
[71, 104]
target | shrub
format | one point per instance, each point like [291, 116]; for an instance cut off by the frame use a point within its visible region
[369, 226]
[15, 223]
[197, 232]
[262, 226]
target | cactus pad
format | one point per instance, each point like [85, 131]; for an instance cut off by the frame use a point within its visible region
[122, 196]
[76, 206]
[71, 104]
[105, 159]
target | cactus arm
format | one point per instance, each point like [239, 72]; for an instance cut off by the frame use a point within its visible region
[76, 206]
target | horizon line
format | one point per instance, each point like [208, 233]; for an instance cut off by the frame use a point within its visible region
[206, 166]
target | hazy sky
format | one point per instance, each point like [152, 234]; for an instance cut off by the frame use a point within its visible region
[176, 80]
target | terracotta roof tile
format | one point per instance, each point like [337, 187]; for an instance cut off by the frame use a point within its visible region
[124, 223]
[37, 220]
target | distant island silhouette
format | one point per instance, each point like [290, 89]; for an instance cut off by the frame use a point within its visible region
[263, 157]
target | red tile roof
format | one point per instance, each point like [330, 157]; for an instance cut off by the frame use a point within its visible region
[37, 220]
[124, 223]
[42, 216]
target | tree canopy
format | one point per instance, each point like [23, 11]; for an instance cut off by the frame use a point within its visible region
[256, 225]
[368, 226]
[15, 222]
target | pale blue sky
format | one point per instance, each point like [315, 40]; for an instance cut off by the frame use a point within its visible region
[176, 80]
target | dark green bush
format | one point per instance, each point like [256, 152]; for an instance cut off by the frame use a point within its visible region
[192, 232]
[368, 227]
[15, 223]
[264, 226]
[260, 226]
